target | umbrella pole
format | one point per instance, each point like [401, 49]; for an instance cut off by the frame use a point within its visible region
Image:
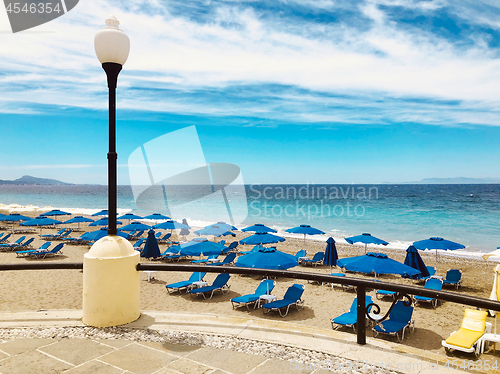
[366, 250]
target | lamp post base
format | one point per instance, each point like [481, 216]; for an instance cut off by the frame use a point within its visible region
[111, 283]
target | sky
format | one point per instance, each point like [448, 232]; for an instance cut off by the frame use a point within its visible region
[310, 91]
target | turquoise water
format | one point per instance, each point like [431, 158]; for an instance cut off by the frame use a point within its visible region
[400, 214]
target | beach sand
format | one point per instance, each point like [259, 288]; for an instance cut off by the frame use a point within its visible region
[62, 289]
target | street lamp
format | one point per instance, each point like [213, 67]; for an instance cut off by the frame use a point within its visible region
[112, 46]
[111, 282]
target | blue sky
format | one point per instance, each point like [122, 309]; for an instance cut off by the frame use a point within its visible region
[311, 91]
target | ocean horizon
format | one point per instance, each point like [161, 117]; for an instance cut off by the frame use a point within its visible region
[397, 213]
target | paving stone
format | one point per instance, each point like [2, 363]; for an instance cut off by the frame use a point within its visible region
[114, 343]
[138, 359]
[14, 347]
[3, 355]
[274, 365]
[167, 371]
[76, 351]
[174, 349]
[94, 367]
[233, 362]
[187, 366]
[32, 362]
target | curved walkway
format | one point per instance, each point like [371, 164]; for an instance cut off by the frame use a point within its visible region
[58, 342]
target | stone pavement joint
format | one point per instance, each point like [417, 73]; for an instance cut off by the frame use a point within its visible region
[74, 355]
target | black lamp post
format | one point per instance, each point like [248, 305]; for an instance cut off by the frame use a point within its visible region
[112, 46]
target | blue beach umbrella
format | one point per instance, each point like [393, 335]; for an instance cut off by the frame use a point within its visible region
[437, 243]
[101, 233]
[366, 239]
[267, 258]
[157, 217]
[56, 212]
[129, 216]
[306, 230]
[262, 238]
[414, 260]
[223, 225]
[377, 263]
[258, 227]
[135, 226]
[15, 217]
[199, 247]
[103, 212]
[170, 225]
[213, 230]
[103, 222]
[78, 219]
[151, 249]
[41, 221]
[331, 255]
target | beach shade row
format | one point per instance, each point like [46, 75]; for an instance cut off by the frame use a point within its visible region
[437, 243]
[262, 238]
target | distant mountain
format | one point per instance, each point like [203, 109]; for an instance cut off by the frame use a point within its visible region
[28, 179]
[459, 180]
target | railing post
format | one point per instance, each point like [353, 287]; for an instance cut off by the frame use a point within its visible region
[361, 307]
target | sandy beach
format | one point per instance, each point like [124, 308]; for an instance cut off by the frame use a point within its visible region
[62, 289]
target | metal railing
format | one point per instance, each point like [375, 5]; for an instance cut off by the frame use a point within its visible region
[361, 285]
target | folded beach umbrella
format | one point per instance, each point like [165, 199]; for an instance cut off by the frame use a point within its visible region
[414, 260]
[41, 221]
[103, 222]
[184, 232]
[101, 233]
[258, 227]
[103, 212]
[135, 226]
[262, 238]
[366, 239]
[56, 212]
[437, 243]
[151, 249]
[331, 255]
[377, 263]
[78, 219]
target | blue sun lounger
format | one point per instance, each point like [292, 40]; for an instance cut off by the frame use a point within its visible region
[228, 260]
[220, 283]
[431, 284]
[265, 287]
[5, 238]
[178, 286]
[18, 242]
[56, 251]
[350, 319]
[316, 260]
[292, 297]
[399, 320]
[453, 278]
[25, 253]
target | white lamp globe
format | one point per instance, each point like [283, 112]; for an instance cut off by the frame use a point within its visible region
[111, 44]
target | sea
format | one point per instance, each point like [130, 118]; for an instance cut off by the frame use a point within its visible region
[398, 213]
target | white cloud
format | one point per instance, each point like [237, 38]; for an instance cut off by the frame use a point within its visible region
[239, 47]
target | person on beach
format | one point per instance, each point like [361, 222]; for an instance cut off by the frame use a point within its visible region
[184, 232]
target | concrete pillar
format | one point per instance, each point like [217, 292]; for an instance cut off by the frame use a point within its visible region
[110, 283]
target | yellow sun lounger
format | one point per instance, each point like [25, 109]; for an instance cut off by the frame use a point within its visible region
[467, 338]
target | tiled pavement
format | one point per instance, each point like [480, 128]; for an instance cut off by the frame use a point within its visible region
[72, 355]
